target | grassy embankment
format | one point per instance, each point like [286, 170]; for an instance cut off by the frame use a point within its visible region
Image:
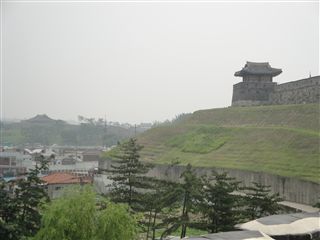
[282, 140]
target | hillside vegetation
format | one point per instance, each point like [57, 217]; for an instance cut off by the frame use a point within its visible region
[282, 140]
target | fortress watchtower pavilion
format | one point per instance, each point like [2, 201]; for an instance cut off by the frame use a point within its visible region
[257, 84]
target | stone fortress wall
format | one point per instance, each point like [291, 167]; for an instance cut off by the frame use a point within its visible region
[257, 87]
[297, 92]
[244, 92]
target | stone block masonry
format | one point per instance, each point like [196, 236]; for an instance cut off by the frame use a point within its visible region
[252, 93]
[258, 88]
[297, 92]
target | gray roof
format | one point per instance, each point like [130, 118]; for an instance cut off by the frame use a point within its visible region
[254, 68]
[234, 235]
[285, 224]
[285, 218]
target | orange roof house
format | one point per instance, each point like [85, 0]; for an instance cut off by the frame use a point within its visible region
[55, 182]
[65, 178]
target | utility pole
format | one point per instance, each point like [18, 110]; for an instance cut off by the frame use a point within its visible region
[105, 132]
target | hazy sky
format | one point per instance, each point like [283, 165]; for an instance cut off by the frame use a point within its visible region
[139, 62]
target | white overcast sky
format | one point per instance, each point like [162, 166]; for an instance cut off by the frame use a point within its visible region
[141, 62]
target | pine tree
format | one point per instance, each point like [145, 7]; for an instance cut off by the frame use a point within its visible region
[187, 195]
[220, 206]
[161, 201]
[260, 202]
[29, 195]
[19, 212]
[191, 186]
[8, 212]
[128, 175]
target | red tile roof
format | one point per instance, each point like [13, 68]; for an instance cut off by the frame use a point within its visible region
[65, 178]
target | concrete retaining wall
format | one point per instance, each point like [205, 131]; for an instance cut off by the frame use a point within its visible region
[290, 189]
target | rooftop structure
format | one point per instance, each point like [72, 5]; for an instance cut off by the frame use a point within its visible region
[14, 163]
[258, 69]
[91, 155]
[257, 84]
[65, 178]
[257, 87]
[234, 235]
[56, 182]
[287, 226]
[43, 118]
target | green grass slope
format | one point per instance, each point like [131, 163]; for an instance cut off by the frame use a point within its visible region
[282, 140]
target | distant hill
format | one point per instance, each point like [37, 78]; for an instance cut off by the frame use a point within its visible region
[282, 140]
[44, 130]
[43, 119]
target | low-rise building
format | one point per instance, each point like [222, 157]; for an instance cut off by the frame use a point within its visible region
[91, 155]
[56, 182]
[233, 235]
[296, 226]
[68, 161]
[14, 163]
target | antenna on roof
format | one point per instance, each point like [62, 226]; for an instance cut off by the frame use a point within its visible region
[309, 74]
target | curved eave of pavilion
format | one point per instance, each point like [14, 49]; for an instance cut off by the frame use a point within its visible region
[272, 72]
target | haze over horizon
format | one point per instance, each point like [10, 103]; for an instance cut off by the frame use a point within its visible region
[145, 62]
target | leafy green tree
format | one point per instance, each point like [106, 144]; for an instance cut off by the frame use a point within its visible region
[260, 202]
[115, 223]
[19, 212]
[81, 215]
[128, 175]
[69, 217]
[220, 207]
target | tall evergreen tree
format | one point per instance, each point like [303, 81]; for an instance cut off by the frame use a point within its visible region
[260, 202]
[161, 202]
[128, 175]
[8, 210]
[191, 193]
[19, 212]
[220, 206]
[187, 195]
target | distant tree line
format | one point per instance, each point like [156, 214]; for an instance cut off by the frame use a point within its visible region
[90, 132]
